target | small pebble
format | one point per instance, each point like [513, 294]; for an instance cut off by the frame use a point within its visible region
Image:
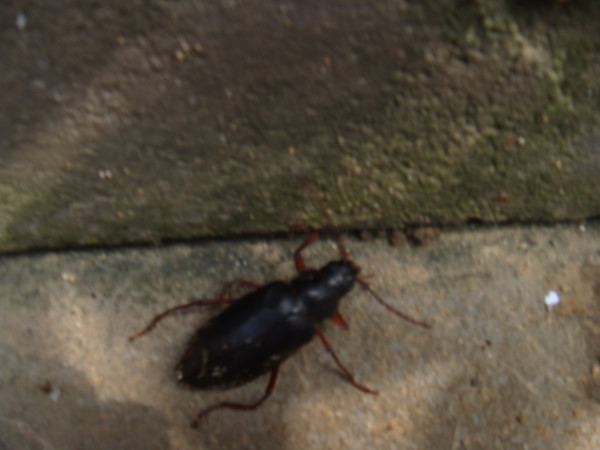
[552, 299]
[21, 21]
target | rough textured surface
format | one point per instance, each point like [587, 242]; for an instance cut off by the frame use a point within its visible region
[497, 370]
[139, 121]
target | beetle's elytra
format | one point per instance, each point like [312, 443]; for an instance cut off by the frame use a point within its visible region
[259, 331]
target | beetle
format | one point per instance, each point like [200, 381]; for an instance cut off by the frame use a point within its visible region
[255, 334]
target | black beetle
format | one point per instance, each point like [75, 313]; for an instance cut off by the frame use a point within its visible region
[259, 331]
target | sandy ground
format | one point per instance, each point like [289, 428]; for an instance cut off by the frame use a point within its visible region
[497, 369]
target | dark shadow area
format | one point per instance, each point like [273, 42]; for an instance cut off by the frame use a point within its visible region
[61, 411]
[50, 66]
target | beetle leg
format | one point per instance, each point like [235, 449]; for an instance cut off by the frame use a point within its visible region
[314, 234]
[240, 406]
[302, 226]
[355, 383]
[339, 241]
[339, 320]
[161, 316]
[404, 316]
[226, 291]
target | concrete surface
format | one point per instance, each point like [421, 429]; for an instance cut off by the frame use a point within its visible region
[497, 370]
[143, 121]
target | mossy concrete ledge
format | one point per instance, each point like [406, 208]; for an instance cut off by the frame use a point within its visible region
[141, 121]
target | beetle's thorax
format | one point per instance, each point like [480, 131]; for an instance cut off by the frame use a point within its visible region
[320, 291]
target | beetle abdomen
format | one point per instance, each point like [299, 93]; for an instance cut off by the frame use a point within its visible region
[228, 352]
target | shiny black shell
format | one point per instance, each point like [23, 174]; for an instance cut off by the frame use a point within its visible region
[262, 329]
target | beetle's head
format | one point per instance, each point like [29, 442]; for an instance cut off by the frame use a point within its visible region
[340, 276]
[320, 291]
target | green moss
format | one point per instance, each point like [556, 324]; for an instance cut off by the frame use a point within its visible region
[441, 112]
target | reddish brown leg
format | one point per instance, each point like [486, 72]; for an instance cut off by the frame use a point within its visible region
[298, 253]
[339, 320]
[226, 291]
[161, 316]
[304, 227]
[355, 383]
[339, 240]
[406, 317]
[241, 406]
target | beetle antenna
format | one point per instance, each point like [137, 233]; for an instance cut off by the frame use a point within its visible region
[406, 317]
[341, 245]
[330, 226]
